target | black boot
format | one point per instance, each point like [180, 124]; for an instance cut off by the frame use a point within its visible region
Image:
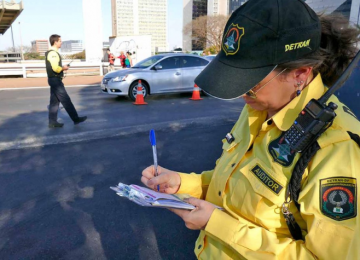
[80, 120]
[56, 124]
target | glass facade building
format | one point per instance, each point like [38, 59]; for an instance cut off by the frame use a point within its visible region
[235, 4]
[199, 8]
[348, 8]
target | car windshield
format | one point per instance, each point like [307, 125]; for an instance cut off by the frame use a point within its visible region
[210, 58]
[147, 62]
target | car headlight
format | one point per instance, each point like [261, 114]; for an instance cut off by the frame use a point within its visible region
[122, 78]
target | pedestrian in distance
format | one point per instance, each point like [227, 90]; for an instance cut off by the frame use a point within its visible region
[111, 58]
[277, 55]
[55, 72]
[128, 60]
[122, 58]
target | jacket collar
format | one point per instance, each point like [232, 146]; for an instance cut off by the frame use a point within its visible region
[286, 116]
[53, 48]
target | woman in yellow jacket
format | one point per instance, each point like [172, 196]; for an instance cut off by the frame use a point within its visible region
[277, 55]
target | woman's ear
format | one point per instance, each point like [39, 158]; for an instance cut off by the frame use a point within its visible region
[302, 74]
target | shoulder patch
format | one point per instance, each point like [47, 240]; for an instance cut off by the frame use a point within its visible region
[338, 198]
[281, 152]
[266, 179]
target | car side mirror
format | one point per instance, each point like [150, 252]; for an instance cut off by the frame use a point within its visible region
[158, 67]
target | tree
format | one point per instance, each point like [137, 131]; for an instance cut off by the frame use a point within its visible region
[33, 56]
[80, 55]
[207, 30]
[26, 49]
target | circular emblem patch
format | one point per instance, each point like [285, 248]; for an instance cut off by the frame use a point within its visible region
[231, 39]
[338, 197]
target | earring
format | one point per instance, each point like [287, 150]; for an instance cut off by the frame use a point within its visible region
[298, 91]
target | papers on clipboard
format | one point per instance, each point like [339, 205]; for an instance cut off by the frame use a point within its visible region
[150, 198]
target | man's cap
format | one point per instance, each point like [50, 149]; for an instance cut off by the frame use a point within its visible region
[258, 36]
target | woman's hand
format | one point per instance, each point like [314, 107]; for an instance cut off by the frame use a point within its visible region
[198, 217]
[169, 181]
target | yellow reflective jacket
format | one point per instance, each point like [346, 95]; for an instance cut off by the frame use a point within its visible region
[250, 180]
[54, 59]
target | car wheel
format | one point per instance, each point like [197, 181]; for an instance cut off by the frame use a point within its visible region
[133, 90]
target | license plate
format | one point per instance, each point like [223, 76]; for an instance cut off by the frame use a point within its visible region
[103, 86]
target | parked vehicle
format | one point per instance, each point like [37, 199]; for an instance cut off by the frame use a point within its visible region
[209, 57]
[165, 73]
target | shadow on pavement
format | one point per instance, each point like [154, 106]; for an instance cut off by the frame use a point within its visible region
[57, 202]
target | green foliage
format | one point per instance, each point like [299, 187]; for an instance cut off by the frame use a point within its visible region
[33, 56]
[79, 56]
[212, 49]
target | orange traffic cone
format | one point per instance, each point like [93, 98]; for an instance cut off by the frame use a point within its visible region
[139, 95]
[196, 93]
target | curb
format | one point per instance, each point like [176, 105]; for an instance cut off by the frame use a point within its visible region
[47, 87]
[109, 133]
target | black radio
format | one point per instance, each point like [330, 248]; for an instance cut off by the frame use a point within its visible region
[317, 116]
[310, 124]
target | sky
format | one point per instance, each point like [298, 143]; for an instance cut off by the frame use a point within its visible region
[41, 18]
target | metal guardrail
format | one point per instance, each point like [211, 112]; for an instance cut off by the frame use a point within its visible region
[16, 69]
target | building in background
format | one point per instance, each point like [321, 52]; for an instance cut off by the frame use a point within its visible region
[349, 8]
[106, 45]
[141, 17]
[193, 9]
[235, 4]
[72, 46]
[40, 46]
[218, 7]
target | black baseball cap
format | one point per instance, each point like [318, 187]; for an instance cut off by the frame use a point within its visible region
[258, 36]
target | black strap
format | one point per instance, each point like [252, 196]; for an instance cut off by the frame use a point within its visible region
[299, 169]
[293, 226]
[295, 184]
[355, 137]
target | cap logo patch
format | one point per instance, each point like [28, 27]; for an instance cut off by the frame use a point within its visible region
[338, 198]
[298, 45]
[231, 40]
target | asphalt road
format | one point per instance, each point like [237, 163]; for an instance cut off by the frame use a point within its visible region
[54, 183]
[56, 202]
[23, 115]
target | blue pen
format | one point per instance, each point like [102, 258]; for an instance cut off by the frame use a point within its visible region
[153, 144]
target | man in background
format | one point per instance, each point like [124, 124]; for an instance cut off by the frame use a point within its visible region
[111, 61]
[55, 72]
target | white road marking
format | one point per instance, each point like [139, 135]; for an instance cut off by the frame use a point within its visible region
[71, 86]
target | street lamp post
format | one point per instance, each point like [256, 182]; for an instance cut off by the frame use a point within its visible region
[21, 46]
[12, 36]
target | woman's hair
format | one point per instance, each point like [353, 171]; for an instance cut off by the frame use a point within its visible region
[337, 48]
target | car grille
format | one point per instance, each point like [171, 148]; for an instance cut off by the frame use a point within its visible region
[106, 80]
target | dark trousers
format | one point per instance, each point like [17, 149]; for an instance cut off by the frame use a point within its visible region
[58, 94]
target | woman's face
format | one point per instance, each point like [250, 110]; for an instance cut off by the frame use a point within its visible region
[278, 92]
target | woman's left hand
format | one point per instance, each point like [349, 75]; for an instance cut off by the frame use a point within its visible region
[198, 217]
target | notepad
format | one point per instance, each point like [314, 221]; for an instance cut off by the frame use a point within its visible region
[150, 198]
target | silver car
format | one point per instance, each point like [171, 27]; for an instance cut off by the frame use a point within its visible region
[165, 73]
